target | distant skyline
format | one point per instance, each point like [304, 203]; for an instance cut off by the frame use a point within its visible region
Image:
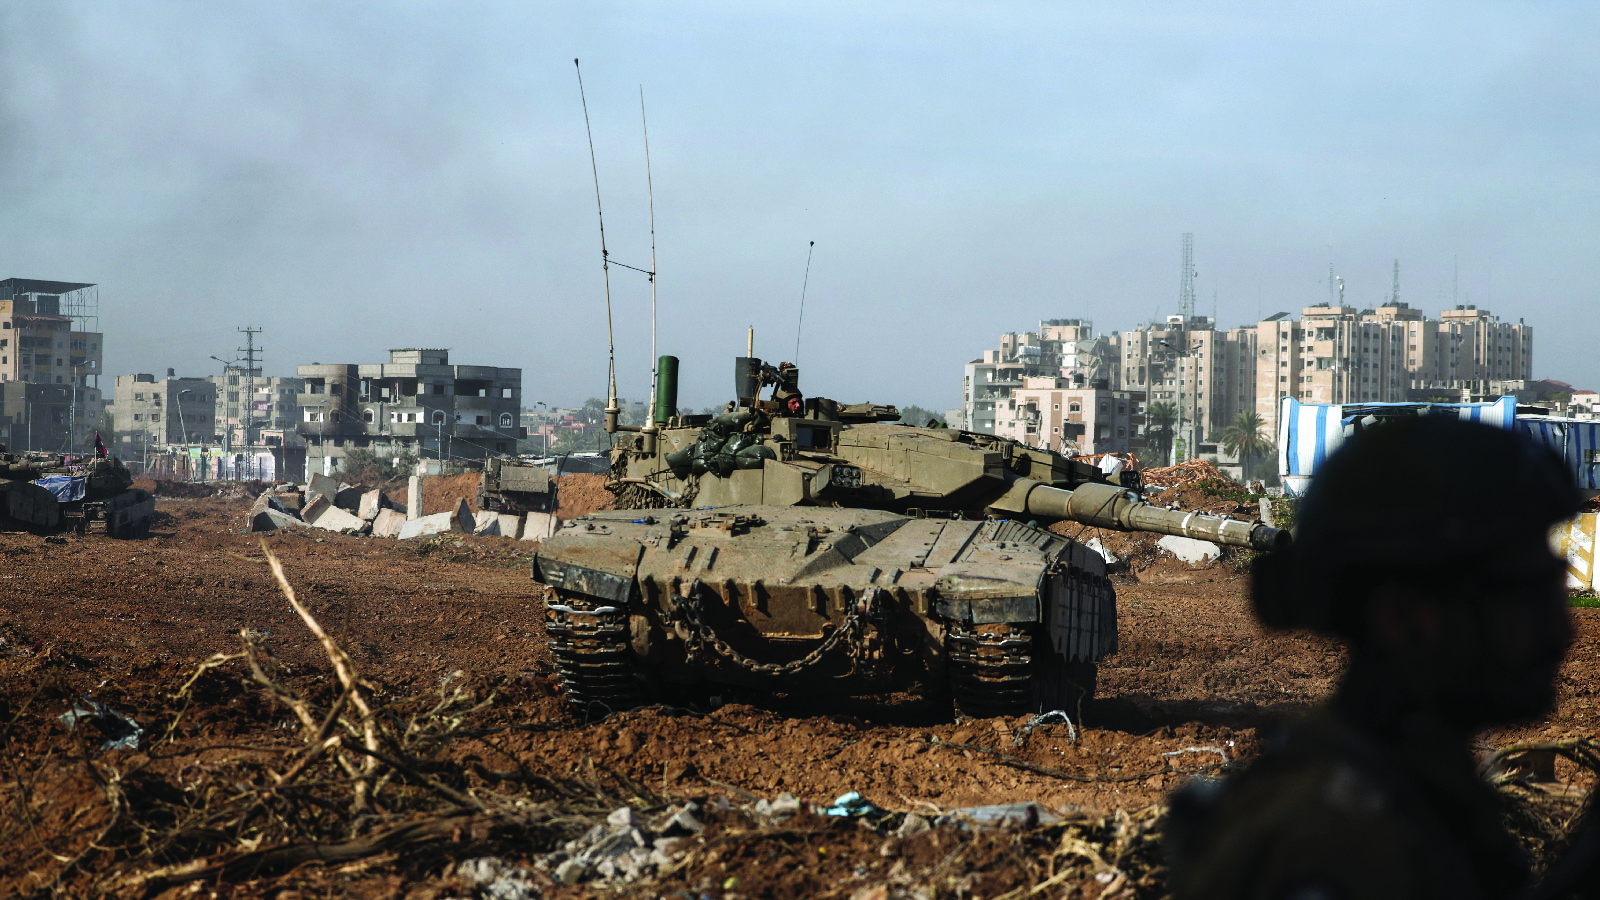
[358, 176]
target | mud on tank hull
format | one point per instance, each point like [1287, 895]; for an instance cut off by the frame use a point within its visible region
[1010, 618]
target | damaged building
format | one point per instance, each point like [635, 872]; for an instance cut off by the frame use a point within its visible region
[416, 404]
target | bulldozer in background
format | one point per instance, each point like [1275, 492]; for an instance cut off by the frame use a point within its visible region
[796, 544]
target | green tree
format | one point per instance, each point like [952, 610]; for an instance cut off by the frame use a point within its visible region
[1246, 437]
[916, 415]
[1161, 420]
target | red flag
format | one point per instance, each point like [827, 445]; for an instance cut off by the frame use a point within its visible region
[99, 446]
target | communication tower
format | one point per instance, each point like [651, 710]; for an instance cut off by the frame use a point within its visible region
[1186, 279]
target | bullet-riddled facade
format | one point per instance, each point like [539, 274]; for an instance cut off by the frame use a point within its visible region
[416, 404]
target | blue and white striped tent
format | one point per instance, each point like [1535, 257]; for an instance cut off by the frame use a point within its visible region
[1308, 432]
[1576, 442]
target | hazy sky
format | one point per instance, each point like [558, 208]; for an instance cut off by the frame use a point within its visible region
[354, 177]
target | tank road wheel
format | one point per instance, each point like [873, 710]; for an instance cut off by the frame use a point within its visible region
[1010, 670]
[594, 662]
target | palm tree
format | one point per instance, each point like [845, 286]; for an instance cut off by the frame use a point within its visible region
[1161, 418]
[1244, 437]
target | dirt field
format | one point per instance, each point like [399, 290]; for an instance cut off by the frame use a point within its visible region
[221, 797]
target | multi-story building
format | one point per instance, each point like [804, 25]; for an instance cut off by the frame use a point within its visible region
[1207, 375]
[417, 403]
[150, 414]
[1391, 354]
[49, 334]
[252, 409]
[1058, 414]
[1066, 349]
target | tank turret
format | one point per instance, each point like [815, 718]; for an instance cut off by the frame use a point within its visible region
[796, 543]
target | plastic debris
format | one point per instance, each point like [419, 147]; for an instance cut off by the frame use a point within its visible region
[1217, 750]
[122, 733]
[1053, 717]
[853, 805]
[1026, 815]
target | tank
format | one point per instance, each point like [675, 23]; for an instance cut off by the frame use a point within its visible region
[44, 492]
[803, 545]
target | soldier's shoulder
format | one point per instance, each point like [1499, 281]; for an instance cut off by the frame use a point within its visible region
[1317, 817]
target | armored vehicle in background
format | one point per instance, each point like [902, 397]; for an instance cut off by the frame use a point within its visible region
[802, 545]
[515, 486]
[45, 492]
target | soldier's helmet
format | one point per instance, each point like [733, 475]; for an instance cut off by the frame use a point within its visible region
[1418, 499]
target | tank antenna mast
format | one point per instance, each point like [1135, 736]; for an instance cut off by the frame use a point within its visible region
[806, 282]
[650, 428]
[605, 264]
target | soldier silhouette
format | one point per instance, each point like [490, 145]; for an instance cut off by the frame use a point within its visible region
[1423, 546]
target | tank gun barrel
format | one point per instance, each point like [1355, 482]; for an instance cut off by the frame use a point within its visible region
[1109, 506]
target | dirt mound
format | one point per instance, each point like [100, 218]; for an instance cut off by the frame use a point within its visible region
[442, 493]
[580, 495]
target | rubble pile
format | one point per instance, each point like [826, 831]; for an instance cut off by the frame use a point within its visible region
[332, 505]
[1193, 471]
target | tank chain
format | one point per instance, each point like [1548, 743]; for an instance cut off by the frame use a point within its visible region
[594, 662]
[686, 612]
[991, 668]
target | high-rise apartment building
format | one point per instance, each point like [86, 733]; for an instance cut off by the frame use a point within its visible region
[1390, 354]
[149, 414]
[49, 335]
[1332, 354]
[1062, 349]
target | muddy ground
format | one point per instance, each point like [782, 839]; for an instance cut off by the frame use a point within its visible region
[221, 782]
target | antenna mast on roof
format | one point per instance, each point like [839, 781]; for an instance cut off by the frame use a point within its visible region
[1394, 294]
[1186, 279]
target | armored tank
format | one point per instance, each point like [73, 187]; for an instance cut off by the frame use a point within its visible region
[46, 492]
[803, 545]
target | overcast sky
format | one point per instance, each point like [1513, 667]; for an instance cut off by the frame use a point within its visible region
[353, 177]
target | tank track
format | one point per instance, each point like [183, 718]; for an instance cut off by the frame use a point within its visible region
[594, 660]
[996, 670]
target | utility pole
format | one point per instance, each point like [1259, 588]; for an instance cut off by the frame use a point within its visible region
[248, 412]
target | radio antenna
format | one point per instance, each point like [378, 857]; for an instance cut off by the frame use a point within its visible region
[803, 285]
[605, 264]
[651, 188]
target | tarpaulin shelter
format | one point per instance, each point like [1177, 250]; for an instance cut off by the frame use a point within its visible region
[1308, 432]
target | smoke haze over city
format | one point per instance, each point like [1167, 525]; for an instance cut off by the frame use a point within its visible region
[355, 177]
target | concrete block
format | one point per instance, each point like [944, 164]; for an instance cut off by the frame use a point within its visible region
[316, 504]
[348, 498]
[538, 526]
[487, 525]
[290, 499]
[371, 502]
[438, 523]
[1095, 544]
[1189, 550]
[414, 497]
[387, 523]
[266, 501]
[272, 520]
[322, 484]
[510, 525]
[335, 519]
[463, 519]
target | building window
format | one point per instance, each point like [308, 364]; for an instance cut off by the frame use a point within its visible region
[155, 417]
[438, 417]
[367, 416]
[138, 418]
[138, 396]
[505, 420]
